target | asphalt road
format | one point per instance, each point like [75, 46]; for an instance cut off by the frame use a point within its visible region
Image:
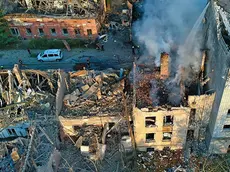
[71, 64]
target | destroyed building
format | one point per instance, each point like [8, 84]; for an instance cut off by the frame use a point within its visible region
[217, 69]
[202, 115]
[158, 124]
[26, 112]
[93, 111]
[55, 19]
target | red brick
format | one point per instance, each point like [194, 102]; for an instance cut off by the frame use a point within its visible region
[34, 22]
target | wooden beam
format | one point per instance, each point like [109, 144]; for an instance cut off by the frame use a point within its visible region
[10, 81]
[28, 150]
[18, 74]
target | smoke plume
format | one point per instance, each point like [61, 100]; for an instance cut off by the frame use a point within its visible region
[167, 24]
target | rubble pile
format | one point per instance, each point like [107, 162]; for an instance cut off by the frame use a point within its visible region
[12, 153]
[160, 160]
[143, 86]
[90, 136]
[93, 93]
[21, 90]
[56, 7]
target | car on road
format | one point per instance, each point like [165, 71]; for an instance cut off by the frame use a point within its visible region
[50, 55]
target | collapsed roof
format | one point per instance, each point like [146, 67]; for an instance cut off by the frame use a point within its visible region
[78, 8]
[92, 93]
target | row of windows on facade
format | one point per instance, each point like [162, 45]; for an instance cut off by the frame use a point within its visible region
[151, 121]
[150, 137]
[65, 32]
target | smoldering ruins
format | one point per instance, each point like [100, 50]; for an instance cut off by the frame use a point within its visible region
[173, 33]
[167, 110]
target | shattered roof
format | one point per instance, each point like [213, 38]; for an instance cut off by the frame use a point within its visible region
[92, 93]
[63, 8]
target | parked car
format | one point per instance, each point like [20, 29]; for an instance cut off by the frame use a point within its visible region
[50, 55]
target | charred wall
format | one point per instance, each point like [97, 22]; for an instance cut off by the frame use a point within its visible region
[217, 69]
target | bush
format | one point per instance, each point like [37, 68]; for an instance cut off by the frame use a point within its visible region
[44, 43]
[6, 39]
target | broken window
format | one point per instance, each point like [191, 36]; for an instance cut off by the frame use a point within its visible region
[89, 32]
[28, 31]
[167, 136]
[149, 137]
[226, 127]
[9, 131]
[14, 132]
[168, 120]
[190, 135]
[150, 149]
[77, 32]
[65, 32]
[53, 32]
[150, 121]
[111, 124]
[228, 114]
[14, 31]
[192, 116]
[41, 32]
[166, 149]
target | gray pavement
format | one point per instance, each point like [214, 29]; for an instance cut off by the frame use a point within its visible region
[117, 54]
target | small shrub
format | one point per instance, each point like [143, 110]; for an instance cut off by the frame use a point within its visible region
[44, 43]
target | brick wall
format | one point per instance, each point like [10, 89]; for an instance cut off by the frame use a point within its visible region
[21, 22]
[164, 65]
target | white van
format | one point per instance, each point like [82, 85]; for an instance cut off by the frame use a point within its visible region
[50, 55]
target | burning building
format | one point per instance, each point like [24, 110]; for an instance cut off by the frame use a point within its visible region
[197, 96]
[164, 69]
[158, 123]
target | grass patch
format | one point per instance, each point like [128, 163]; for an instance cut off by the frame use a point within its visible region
[33, 55]
[44, 43]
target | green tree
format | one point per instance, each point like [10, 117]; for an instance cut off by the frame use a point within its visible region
[5, 37]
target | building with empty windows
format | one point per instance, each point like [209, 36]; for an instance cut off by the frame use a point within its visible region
[162, 128]
[56, 19]
[157, 123]
[216, 29]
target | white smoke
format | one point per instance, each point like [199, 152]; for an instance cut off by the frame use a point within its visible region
[166, 23]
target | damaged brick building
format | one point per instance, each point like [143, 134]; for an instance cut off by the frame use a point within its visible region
[202, 117]
[56, 19]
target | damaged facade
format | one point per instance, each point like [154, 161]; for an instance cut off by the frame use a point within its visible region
[97, 112]
[92, 109]
[157, 124]
[204, 106]
[56, 19]
[217, 15]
